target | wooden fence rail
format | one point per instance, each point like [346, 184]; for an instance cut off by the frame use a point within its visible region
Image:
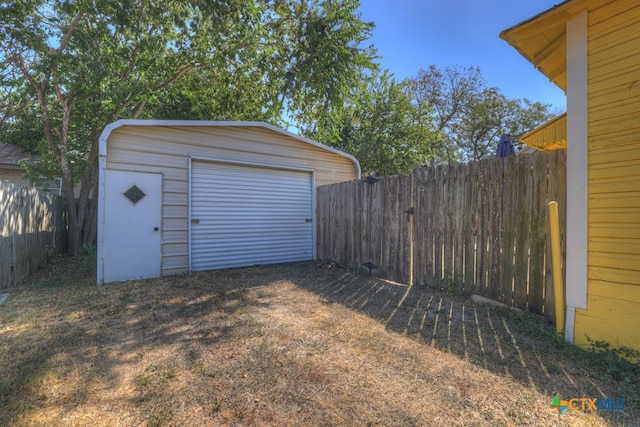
[478, 228]
[32, 228]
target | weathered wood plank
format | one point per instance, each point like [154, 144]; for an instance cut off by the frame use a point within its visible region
[448, 194]
[495, 230]
[535, 302]
[459, 213]
[468, 226]
[483, 215]
[430, 208]
[376, 225]
[523, 233]
[408, 230]
[438, 224]
[416, 229]
[32, 228]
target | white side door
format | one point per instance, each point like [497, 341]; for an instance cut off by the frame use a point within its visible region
[132, 225]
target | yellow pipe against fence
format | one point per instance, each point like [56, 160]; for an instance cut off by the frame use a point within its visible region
[556, 255]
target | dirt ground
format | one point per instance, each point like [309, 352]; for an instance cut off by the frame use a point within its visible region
[281, 345]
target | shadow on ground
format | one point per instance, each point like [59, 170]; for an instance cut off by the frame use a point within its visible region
[496, 339]
[111, 339]
[60, 327]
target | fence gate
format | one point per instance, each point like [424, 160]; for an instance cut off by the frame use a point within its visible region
[366, 224]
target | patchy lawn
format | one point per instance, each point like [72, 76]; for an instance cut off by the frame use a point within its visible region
[283, 345]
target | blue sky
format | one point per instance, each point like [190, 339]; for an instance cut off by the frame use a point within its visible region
[413, 34]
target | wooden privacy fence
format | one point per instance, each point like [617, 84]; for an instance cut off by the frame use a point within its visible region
[478, 228]
[32, 228]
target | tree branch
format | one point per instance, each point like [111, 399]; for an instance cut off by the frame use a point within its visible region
[40, 89]
[72, 28]
[132, 62]
[176, 77]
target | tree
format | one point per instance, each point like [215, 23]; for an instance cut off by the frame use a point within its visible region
[80, 65]
[383, 129]
[313, 61]
[490, 114]
[470, 116]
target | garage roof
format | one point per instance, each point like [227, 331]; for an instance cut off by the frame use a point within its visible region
[184, 123]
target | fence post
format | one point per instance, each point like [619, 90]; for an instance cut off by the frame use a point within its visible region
[558, 286]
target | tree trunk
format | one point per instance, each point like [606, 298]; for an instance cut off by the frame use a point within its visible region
[88, 201]
[73, 226]
[90, 229]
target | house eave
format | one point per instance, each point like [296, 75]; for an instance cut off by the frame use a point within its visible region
[541, 39]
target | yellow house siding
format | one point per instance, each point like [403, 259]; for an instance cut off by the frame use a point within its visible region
[613, 306]
[167, 150]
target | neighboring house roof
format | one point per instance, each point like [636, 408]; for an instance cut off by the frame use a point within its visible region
[542, 38]
[551, 135]
[10, 155]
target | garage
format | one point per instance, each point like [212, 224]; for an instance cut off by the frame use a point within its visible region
[244, 215]
[182, 196]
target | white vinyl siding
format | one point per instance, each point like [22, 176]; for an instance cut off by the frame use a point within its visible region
[245, 215]
[167, 150]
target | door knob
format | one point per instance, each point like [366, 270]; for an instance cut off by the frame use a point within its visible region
[155, 228]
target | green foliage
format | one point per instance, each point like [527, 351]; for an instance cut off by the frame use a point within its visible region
[296, 64]
[70, 68]
[382, 129]
[621, 364]
[74, 67]
[435, 117]
[530, 324]
[468, 115]
[88, 259]
[448, 286]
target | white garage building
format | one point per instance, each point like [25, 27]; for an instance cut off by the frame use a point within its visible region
[180, 196]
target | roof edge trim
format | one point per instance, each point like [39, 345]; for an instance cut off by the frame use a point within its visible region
[504, 35]
[545, 124]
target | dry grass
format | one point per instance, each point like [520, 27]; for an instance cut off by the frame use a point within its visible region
[280, 345]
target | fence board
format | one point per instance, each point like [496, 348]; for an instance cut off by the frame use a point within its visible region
[482, 227]
[520, 287]
[422, 239]
[469, 278]
[448, 194]
[461, 206]
[536, 296]
[427, 213]
[483, 219]
[32, 228]
[510, 183]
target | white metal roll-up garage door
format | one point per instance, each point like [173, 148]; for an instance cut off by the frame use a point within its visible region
[247, 215]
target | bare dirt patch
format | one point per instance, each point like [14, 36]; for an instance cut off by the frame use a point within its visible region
[279, 345]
